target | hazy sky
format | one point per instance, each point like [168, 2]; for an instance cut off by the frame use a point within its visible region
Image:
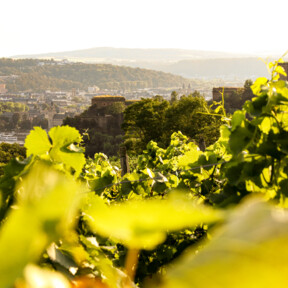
[39, 26]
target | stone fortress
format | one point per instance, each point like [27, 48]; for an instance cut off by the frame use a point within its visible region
[100, 113]
[105, 114]
[230, 91]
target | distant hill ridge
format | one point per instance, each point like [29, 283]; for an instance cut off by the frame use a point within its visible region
[41, 75]
[186, 63]
[134, 54]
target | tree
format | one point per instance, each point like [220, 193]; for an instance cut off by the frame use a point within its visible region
[15, 119]
[10, 151]
[144, 121]
[189, 115]
[248, 83]
[158, 97]
[115, 108]
[174, 97]
[26, 125]
[151, 119]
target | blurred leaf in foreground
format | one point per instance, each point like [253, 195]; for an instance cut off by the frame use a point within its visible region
[36, 277]
[144, 224]
[251, 250]
[45, 209]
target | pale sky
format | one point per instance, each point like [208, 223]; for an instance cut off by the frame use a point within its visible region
[40, 26]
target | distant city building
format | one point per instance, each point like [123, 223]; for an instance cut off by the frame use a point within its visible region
[93, 89]
[3, 89]
[58, 119]
[61, 102]
[8, 138]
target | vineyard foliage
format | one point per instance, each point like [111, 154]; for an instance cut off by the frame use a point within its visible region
[179, 219]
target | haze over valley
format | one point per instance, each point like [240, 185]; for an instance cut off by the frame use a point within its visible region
[186, 63]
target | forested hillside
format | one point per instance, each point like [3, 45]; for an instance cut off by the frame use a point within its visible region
[40, 75]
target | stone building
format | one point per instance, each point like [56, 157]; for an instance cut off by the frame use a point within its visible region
[102, 120]
[228, 92]
[3, 89]
[234, 97]
[285, 66]
[58, 119]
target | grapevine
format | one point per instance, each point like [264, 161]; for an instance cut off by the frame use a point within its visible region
[182, 218]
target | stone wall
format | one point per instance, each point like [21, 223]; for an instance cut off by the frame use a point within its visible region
[106, 100]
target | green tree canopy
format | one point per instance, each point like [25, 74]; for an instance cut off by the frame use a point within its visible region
[152, 119]
[189, 115]
[145, 121]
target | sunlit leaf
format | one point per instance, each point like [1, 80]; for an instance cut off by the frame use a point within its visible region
[258, 84]
[265, 125]
[37, 142]
[63, 147]
[237, 118]
[251, 250]
[189, 158]
[36, 277]
[46, 209]
[62, 137]
[240, 138]
[144, 224]
[280, 70]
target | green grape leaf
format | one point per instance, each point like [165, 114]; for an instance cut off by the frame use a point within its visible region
[256, 87]
[265, 125]
[257, 105]
[281, 88]
[280, 70]
[189, 158]
[271, 65]
[240, 138]
[37, 142]
[62, 139]
[237, 118]
[63, 259]
[12, 172]
[233, 172]
[144, 224]
[100, 183]
[159, 187]
[46, 209]
[249, 251]
[224, 133]
[63, 149]
[62, 136]
[128, 182]
[75, 148]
